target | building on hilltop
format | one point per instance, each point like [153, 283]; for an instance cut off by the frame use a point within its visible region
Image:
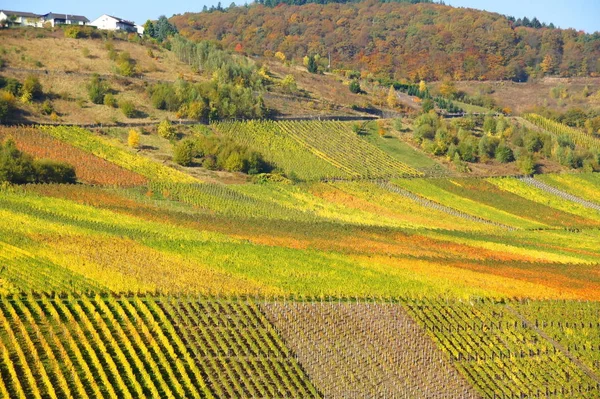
[19, 18]
[64, 19]
[108, 22]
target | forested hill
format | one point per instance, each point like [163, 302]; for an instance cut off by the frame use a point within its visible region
[414, 41]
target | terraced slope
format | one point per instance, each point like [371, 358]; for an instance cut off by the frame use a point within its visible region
[354, 350]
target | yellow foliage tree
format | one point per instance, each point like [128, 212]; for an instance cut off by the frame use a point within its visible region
[422, 86]
[280, 56]
[392, 99]
[134, 138]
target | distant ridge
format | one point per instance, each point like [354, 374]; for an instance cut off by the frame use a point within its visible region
[411, 41]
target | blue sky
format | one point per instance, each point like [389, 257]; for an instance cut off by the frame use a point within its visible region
[578, 14]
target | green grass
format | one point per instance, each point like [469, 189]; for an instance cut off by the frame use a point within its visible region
[398, 149]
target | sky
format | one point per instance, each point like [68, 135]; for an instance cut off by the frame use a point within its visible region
[578, 14]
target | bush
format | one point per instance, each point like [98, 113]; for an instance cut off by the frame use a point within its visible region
[355, 87]
[125, 65]
[97, 89]
[47, 171]
[47, 108]
[128, 108]
[12, 86]
[110, 100]
[184, 152]
[32, 88]
[427, 106]
[20, 168]
[7, 105]
[398, 124]
[166, 130]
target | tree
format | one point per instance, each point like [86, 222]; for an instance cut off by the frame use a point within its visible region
[289, 84]
[392, 98]
[489, 124]
[422, 87]
[234, 162]
[504, 154]
[448, 89]
[164, 29]
[133, 140]
[15, 166]
[312, 66]
[149, 29]
[18, 167]
[548, 65]
[526, 164]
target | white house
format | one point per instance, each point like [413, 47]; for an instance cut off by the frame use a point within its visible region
[140, 30]
[19, 18]
[64, 19]
[108, 22]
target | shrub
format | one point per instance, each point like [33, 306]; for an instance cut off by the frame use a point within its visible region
[110, 100]
[85, 52]
[427, 106]
[20, 168]
[488, 146]
[166, 130]
[47, 171]
[355, 87]
[128, 108]
[398, 124]
[47, 108]
[125, 65]
[97, 89]
[12, 86]
[7, 105]
[234, 163]
[32, 88]
[184, 152]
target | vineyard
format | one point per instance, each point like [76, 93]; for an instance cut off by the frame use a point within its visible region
[504, 354]
[89, 168]
[557, 129]
[341, 153]
[103, 148]
[363, 280]
[99, 345]
[358, 350]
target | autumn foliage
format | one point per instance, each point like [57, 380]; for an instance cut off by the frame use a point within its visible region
[414, 41]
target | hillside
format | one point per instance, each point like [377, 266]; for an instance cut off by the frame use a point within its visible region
[65, 67]
[411, 41]
[242, 227]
